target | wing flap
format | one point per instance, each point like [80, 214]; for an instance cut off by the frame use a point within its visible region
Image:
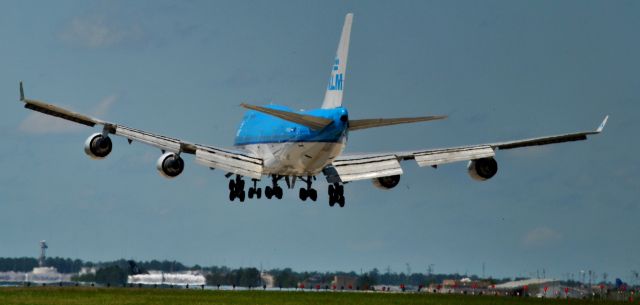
[231, 162]
[162, 142]
[443, 156]
[365, 167]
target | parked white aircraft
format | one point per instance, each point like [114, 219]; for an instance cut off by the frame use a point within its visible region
[278, 142]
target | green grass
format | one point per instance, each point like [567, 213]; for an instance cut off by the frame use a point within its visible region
[125, 296]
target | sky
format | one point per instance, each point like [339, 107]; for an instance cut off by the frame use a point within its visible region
[501, 70]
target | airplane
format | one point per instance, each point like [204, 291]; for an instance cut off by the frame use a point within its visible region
[279, 143]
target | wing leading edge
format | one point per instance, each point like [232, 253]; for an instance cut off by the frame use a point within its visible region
[231, 161]
[351, 167]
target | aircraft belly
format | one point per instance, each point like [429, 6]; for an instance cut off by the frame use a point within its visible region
[296, 158]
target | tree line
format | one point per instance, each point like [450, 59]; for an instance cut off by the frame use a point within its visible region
[116, 272]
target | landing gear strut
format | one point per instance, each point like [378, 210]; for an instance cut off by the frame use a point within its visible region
[236, 189]
[255, 190]
[274, 190]
[336, 194]
[308, 192]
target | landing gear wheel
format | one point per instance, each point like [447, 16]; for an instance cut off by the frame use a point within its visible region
[258, 193]
[250, 193]
[278, 192]
[268, 192]
[303, 194]
[241, 196]
[232, 196]
[232, 184]
[313, 194]
[336, 194]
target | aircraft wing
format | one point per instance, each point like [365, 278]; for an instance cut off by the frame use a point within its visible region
[228, 160]
[351, 167]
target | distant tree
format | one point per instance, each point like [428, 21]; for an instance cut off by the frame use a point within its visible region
[366, 281]
[113, 275]
[285, 278]
[87, 278]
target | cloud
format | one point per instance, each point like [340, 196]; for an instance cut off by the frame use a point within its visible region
[39, 123]
[98, 32]
[541, 236]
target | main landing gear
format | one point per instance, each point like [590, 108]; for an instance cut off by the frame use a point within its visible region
[237, 184]
[255, 190]
[275, 190]
[336, 194]
[236, 189]
[308, 192]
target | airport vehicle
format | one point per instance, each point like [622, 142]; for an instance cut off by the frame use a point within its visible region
[284, 144]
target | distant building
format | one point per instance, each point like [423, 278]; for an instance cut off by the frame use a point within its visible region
[268, 279]
[344, 281]
[40, 275]
[160, 278]
[87, 270]
[315, 281]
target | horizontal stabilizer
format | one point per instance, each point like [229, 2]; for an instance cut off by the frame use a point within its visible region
[313, 122]
[370, 123]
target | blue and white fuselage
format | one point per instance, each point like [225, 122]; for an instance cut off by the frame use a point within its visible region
[289, 148]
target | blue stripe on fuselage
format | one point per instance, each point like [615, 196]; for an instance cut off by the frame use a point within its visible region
[257, 127]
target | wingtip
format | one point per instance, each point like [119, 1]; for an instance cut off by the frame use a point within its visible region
[604, 123]
[21, 92]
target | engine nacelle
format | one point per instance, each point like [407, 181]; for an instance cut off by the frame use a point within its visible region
[97, 147]
[170, 165]
[482, 169]
[386, 183]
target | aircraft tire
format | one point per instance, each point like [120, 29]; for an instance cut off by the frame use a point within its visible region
[251, 191]
[303, 194]
[232, 184]
[268, 192]
[278, 192]
[232, 196]
[258, 193]
[241, 196]
[341, 201]
[313, 194]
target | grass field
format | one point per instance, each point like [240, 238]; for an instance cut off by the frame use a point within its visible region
[91, 296]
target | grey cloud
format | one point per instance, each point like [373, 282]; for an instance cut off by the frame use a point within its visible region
[99, 32]
[541, 236]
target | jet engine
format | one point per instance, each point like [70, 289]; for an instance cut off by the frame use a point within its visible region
[482, 169]
[386, 183]
[170, 165]
[97, 146]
